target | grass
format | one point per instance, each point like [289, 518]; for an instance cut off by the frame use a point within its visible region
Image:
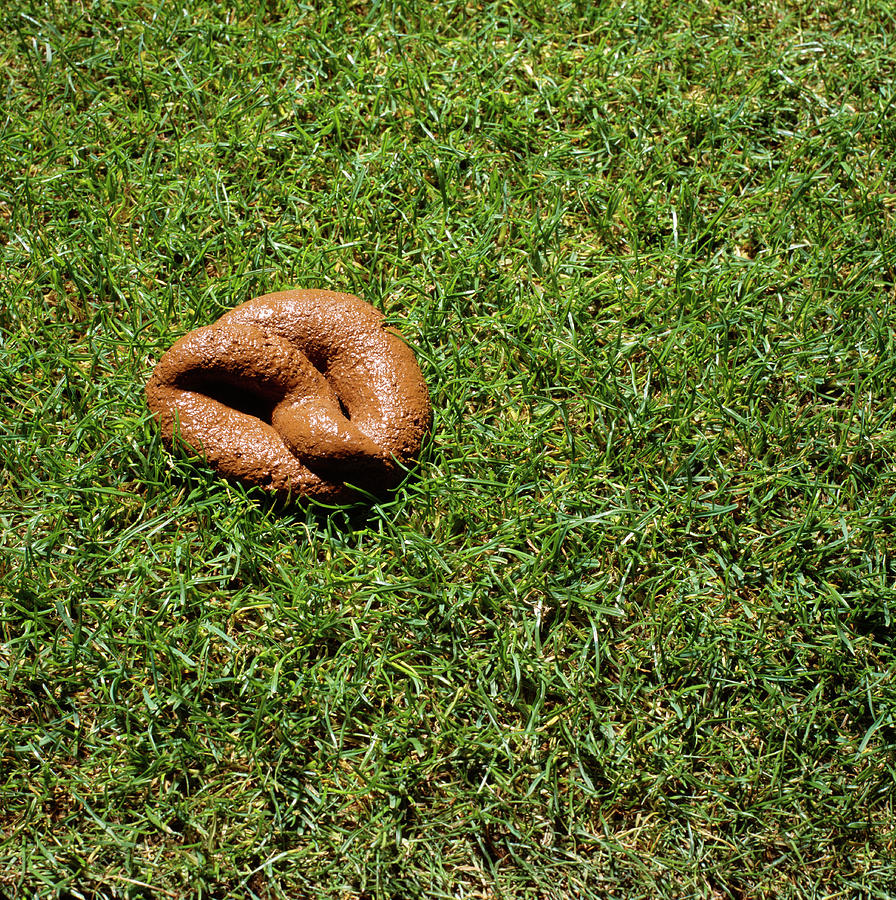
[628, 633]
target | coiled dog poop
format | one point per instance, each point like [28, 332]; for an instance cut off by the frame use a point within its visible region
[304, 393]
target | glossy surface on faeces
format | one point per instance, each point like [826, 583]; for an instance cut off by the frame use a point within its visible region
[303, 393]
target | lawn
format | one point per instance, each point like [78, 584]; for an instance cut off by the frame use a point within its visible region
[628, 631]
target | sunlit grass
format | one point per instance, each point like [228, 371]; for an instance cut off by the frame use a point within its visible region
[627, 632]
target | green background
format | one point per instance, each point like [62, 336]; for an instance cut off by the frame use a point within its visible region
[628, 631]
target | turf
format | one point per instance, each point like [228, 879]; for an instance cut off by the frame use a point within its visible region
[628, 631]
